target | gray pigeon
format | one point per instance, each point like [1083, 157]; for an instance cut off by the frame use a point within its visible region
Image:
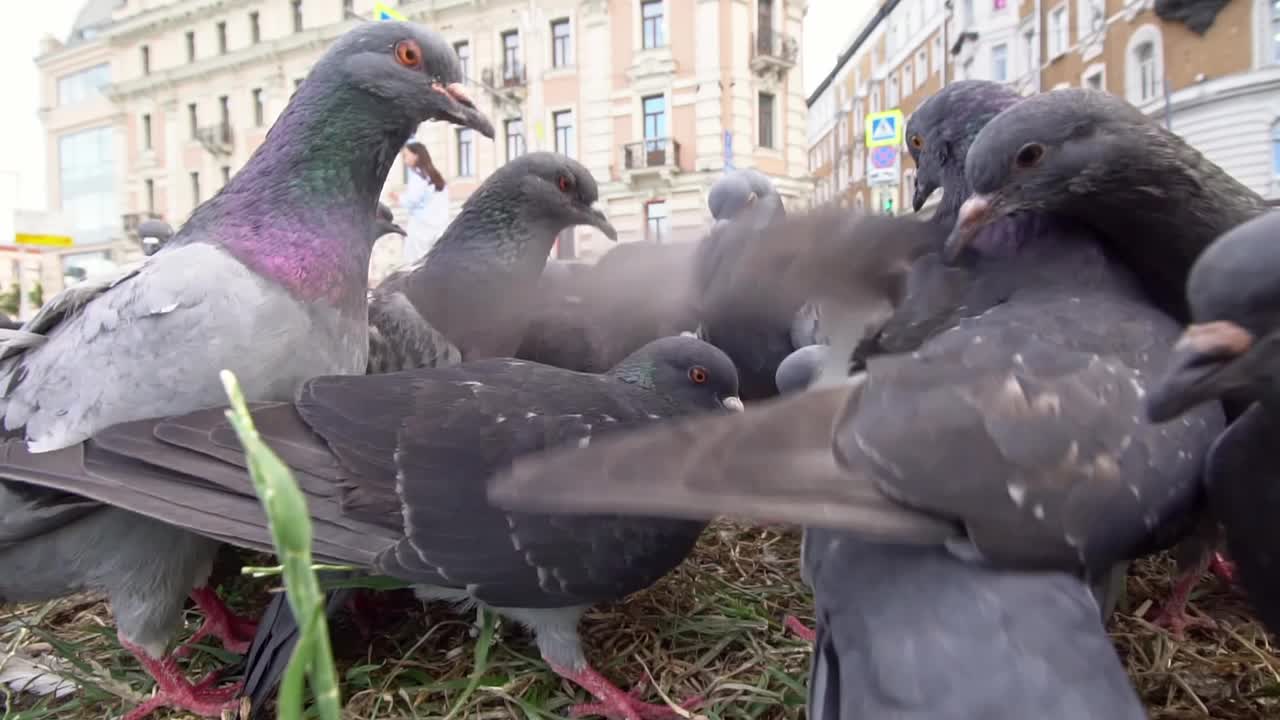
[267, 279]
[472, 293]
[1008, 450]
[394, 467]
[799, 369]
[1233, 293]
[154, 234]
[1155, 200]
[385, 224]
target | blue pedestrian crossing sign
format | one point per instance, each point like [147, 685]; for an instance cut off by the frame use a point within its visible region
[382, 12]
[884, 128]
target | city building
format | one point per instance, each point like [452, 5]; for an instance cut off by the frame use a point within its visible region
[652, 108]
[1209, 71]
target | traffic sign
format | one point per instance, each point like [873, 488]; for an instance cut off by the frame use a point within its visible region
[884, 157]
[382, 12]
[884, 128]
[882, 165]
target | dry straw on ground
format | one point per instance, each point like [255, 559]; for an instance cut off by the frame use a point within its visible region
[714, 628]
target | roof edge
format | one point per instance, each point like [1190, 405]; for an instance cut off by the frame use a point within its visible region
[880, 14]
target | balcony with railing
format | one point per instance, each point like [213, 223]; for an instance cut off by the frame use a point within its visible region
[508, 79]
[655, 156]
[216, 139]
[773, 51]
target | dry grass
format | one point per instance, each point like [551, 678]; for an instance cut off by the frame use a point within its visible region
[713, 628]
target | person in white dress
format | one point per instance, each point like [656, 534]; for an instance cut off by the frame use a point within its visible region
[425, 200]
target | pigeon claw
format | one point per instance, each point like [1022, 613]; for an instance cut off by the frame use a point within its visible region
[797, 628]
[1222, 567]
[613, 702]
[174, 691]
[1173, 615]
[235, 632]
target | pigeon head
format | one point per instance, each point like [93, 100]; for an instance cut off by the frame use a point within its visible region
[1154, 200]
[1233, 342]
[559, 191]
[386, 224]
[685, 370]
[154, 234]
[412, 69]
[729, 196]
[938, 136]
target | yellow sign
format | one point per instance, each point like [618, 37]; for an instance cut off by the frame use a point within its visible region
[884, 128]
[43, 240]
[382, 12]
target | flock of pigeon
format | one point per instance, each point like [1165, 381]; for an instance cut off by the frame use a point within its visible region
[979, 419]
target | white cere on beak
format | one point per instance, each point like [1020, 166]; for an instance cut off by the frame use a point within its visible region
[733, 403]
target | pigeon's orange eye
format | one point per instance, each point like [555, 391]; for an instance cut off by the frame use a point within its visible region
[565, 183]
[698, 374]
[408, 53]
[917, 142]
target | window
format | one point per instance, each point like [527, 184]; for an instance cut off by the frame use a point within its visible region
[193, 120]
[561, 49]
[1095, 77]
[1275, 31]
[149, 194]
[226, 175]
[191, 46]
[297, 15]
[86, 183]
[463, 50]
[1029, 50]
[195, 188]
[651, 17]
[892, 99]
[766, 120]
[1091, 17]
[1058, 31]
[1275, 150]
[657, 221]
[258, 110]
[937, 54]
[655, 121]
[224, 110]
[466, 153]
[515, 138]
[222, 38]
[511, 55]
[859, 164]
[922, 67]
[1145, 60]
[255, 29]
[966, 72]
[966, 15]
[83, 85]
[875, 97]
[348, 8]
[1000, 62]
[562, 122]
[145, 53]
[146, 131]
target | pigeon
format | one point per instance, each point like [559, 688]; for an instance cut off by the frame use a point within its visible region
[471, 294]
[267, 279]
[385, 223]
[154, 234]
[1091, 155]
[394, 467]
[1233, 296]
[799, 369]
[1008, 449]
[635, 293]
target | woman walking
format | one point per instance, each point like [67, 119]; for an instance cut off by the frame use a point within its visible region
[425, 201]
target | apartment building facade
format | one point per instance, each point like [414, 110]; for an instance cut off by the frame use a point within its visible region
[1212, 74]
[654, 108]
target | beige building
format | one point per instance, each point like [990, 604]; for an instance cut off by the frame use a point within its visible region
[1212, 74]
[650, 105]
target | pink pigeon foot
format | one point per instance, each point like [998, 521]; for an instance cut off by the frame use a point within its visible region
[1173, 614]
[613, 702]
[235, 632]
[1222, 567]
[173, 690]
[792, 623]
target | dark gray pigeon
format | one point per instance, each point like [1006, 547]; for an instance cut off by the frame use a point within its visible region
[1234, 296]
[394, 467]
[1010, 449]
[1154, 199]
[154, 234]
[472, 295]
[385, 224]
[266, 279]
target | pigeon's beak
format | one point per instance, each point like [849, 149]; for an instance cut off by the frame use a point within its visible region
[976, 212]
[456, 107]
[596, 218]
[922, 193]
[395, 228]
[734, 403]
[1199, 369]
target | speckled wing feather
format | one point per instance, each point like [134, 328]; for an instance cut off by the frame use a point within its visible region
[401, 339]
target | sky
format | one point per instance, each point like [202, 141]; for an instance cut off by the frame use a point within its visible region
[827, 25]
